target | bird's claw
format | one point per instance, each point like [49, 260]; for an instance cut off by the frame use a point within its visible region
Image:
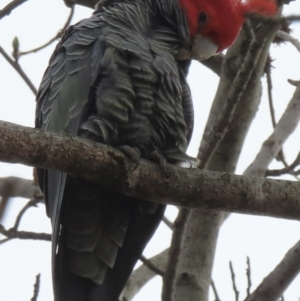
[132, 153]
[162, 162]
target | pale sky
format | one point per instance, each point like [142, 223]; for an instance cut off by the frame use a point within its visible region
[264, 240]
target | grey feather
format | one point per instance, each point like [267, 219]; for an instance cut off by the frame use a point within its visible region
[113, 78]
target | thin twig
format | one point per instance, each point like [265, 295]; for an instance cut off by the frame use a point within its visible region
[57, 36]
[287, 170]
[152, 266]
[30, 204]
[236, 292]
[2, 241]
[292, 18]
[11, 233]
[18, 68]
[215, 290]
[248, 273]
[36, 287]
[10, 7]
[270, 87]
[168, 222]
[288, 38]
[174, 253]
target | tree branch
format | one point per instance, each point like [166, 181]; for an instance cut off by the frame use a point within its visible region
[174, 253]
[188, 188]
[32, 203]
[142, 275]
[57, 36]
[288, 38]
[10, 7]
[285, 126]
[36, 287]
[18, 68]
[248, 274]
[11, 233]
[150, 265]
[17, 187]
[273, 286]
[215, 135]
[236, 292]
[203, 226]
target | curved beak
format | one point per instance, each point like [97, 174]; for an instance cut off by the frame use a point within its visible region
[203, 48]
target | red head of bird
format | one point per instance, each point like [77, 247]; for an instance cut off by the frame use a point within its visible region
[218, 22]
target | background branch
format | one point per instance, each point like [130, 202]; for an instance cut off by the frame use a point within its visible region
[236, 292]
[288, 38]
[203, 226]
[10, 7]
[273, 286]
[11, 234]
[174, 253]
[57, 36]
[18, 68]
[17, 187]
[36, 288]
[284, 128]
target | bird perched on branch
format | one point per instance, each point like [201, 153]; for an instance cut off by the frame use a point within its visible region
[119, 78]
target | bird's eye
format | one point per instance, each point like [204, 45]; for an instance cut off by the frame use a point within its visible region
[202, 19]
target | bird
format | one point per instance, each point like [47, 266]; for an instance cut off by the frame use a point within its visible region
[119, 78]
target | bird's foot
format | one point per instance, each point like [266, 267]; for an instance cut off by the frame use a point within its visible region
[162, 162]
[132, 153]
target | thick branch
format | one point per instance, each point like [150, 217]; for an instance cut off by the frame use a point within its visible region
[215, 135]
[189, 188]
[174, 254]
[203, 226]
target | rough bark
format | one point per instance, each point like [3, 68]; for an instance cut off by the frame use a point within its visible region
[188, 188]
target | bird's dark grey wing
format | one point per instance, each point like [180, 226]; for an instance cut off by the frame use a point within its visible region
[63, 98]
[89, 222]
[64, 101]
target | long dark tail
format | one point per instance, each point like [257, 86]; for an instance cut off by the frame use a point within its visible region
[103, 235]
